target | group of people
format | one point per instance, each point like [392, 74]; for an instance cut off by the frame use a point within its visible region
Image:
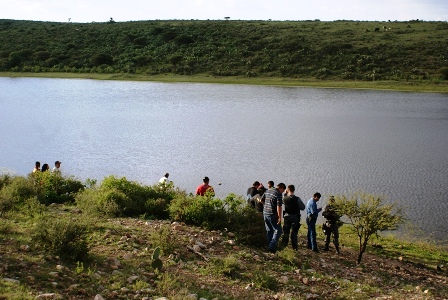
[271, 201]
[46, 167]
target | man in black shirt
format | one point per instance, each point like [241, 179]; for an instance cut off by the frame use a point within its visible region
[293, 206]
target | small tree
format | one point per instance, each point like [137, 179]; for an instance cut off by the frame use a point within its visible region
[368, 215]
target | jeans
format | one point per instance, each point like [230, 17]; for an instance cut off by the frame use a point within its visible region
[311, 235]
[273, 231]
[291, 224]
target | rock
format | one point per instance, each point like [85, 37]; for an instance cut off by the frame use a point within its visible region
[98, 297]
[230, 235]
[197, 248]
[177, 227]
[124, 289]
[400, 258]
[60, 267]
[284, 279]
[305, 280]
[132, 278]
[127, 256]
[236, 248]
[49, 296]
[54, 274]
[192, 296]
[25, 248]
[201, 245]
[231, 242]
[11, 280]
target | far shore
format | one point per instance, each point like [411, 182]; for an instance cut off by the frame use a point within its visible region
[409, 86]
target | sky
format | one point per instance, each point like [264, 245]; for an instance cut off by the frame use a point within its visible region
[136, 10]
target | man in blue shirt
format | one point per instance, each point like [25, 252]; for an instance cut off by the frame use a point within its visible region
[272, 214]
[312, 212]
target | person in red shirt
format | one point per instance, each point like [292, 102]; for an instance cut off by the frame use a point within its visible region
[205, 188]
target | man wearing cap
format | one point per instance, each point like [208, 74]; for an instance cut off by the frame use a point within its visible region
[57, 165]
[205, 188]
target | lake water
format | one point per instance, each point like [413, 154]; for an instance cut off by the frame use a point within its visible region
[328, 140]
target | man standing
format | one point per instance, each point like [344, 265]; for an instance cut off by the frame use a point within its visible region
[291, 223]
[312, 212]
[57, 165]
[331, 225]
[205, 188]
[272, 214]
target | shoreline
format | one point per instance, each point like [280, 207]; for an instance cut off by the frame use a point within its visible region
[411, 86]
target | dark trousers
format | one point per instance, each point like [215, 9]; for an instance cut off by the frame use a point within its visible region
[333, 229]
[291, 224]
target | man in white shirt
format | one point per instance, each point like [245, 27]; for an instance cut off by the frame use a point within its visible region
[164, 180]
[57, 166]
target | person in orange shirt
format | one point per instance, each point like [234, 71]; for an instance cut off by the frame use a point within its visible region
[205, 188]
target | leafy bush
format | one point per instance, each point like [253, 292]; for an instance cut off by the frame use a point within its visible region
[14, 192]
[101, 202]
[444, 72]
[63, 237]
[228, 266]
[54, 188]
[199, 210]
[134, 199]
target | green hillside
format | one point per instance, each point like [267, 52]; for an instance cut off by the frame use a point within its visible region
[339, 50]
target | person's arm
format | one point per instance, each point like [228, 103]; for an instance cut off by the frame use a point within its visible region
[279, 213]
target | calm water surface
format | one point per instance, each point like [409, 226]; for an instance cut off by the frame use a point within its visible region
[328, 140]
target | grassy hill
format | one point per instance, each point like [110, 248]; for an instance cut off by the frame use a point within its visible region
[413, 51]
[118, 239]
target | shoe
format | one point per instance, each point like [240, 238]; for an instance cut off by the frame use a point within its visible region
[315, 250]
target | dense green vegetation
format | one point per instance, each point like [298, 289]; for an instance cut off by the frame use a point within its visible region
[339, 50]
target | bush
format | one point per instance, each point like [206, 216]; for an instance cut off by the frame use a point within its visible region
[54, 188]
[101, 202]
[136, 199]
[62, 237]
[14, 193]
[444, 72]
[199, 210]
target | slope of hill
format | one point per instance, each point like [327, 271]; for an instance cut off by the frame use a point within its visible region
[339, 50]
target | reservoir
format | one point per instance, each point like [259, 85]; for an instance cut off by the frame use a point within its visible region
[332, 141]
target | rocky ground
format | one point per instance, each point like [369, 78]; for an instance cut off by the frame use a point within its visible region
[201, 264]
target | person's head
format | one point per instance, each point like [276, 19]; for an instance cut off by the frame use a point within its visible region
[45, 167]
[281, 187]
[256, 184]
[167, 175]
[291, 188]
[57, 164]
[37, 165]
[270, 184]
[206, 180]
[317, 196]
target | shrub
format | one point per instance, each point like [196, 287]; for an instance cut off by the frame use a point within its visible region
[265, 280]
[100, 202]
[54, 188]
[228, 266]
[165, 240]
[15, 192]
[444, 72]
[199, 210]
[63, 237]
[138, 200]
